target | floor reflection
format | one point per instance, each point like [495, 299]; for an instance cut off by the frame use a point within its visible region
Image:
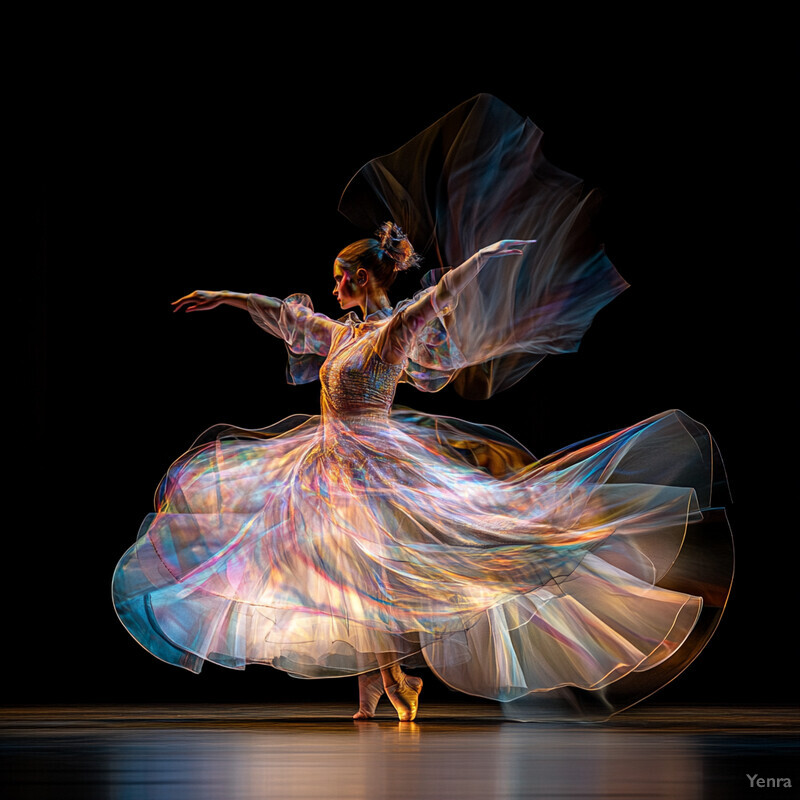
[242, 753]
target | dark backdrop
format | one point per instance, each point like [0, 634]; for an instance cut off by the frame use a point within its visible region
[160, 166]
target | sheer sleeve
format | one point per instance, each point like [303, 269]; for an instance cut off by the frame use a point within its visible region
[397, 339]
[417, 337]
[307, 334]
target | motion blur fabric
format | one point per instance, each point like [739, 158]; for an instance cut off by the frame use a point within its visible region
[319, 542]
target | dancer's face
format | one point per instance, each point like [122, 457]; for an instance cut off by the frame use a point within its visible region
[346, 288]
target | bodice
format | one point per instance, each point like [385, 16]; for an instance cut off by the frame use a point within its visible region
[356, 381]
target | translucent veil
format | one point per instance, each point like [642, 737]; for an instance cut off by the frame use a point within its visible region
[474, 177]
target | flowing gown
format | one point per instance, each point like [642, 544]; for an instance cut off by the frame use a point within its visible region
[320, 542]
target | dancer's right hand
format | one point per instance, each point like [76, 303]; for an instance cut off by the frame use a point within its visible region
[199, 301]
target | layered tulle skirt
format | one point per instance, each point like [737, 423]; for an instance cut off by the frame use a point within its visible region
[315, 546]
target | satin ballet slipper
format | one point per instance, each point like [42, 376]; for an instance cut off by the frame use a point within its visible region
[370, 691]
[404, 696]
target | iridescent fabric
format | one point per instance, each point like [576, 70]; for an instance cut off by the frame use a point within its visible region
[475, 177]
[320, 543]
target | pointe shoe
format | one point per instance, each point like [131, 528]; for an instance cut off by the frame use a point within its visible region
[404, 696]
[370, 691]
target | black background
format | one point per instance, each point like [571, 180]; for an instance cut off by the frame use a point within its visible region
[162, 158]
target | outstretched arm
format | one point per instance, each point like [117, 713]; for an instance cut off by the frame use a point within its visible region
[406, 325]
[456, 280]
[205, 301]
[303, 330]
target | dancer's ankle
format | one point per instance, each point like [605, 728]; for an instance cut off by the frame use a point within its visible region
[392, 675]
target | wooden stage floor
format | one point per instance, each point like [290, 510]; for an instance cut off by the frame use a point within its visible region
[452, 751]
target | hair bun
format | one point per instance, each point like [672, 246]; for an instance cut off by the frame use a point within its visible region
[394, 243]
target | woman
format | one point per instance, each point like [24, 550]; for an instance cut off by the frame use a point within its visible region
[362, 275]
[369, 538]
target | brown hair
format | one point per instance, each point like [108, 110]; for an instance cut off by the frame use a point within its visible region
[386, 255]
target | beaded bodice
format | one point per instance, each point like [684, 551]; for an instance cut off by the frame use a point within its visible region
[356, 381]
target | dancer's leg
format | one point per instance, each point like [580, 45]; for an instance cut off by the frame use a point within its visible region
[370, 691]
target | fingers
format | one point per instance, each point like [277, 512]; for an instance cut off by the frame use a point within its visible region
[181, 302]
[515, 245]
[507, 247]
[188, 303]
[196, 301]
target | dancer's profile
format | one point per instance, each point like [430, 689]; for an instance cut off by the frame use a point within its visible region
[370, 538]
